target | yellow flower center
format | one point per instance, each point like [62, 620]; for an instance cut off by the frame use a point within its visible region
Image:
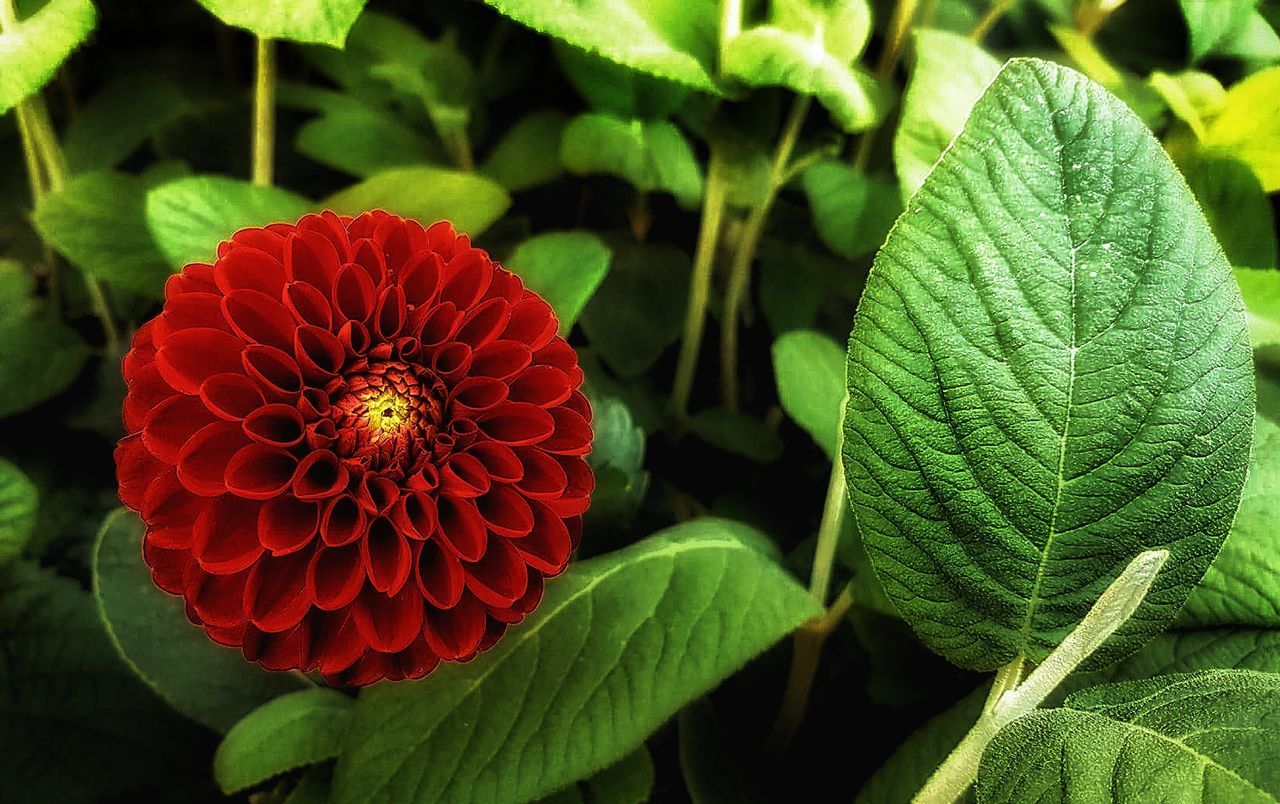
[387, 412]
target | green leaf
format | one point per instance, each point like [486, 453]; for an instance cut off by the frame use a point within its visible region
[1214, 23]
[119, 118]
[1206, 649]
[324, 22]
[19, 501]
[32, 51]
[291, 731]
[809, 368]
[1048, 374]
[98, 222]
[673, 39]
[618, 645]
[769, 56]
[1258, 43]
[1242, 131]
[565, 268]
[617, 460]
[206, 682]
[639, 308]
[1261, 291]
[840, 27]
[614, 89]
[1192, 96]
[39, 355]
[362, 141]
[628, 781]
[851, 211]
[78, 727]
[190, 216]
[529, 153]
[650, 154]
[1209, 736]
[1238, 211]
[950, 74]
[427, 194]
[1242, 587]
[738, 433]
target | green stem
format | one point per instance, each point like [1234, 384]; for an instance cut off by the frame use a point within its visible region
[740, 267]
[904, 13]
[997, 10]
[704, 258]
[264, 112]
[730, 25]
[1010, 700]
[833, 513]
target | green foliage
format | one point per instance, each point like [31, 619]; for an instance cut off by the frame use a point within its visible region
[363, 141]
[189, 216]
[809, 369]
[120, 118]
[618, 645]
[1215, 23]
[614, 89]
[32, 50]
[1251, 137]
[650, 154]
[208, 683]
[627, 781]
[288, 732]
[738, 433]
[1035, 340]
[528, 153]
[565, 268]
[1238, 211]
[1172, 738]
[19, 500]
[672, 39]
[427, 194]
[322, 21]
[39, 355]
[851, 211]
[617, 459]
[637, 310]
[1261, 292]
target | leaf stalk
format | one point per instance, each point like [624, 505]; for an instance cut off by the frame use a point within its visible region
[264, 113]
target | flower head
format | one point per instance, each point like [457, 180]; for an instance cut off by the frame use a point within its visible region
[357, 444]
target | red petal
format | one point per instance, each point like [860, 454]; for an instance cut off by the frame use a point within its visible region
[275, 596]
[388, 624]
[455, 633]
[467, 277]
[224, 538]
[461, 528]
[168, 567]
[308, 304]
[310, 257]
[440, 576]
[368, 254]
[416, 515]
[544, 477]
[335, 576]
[517, 424]
[335, 643]
[258, 318]
[190, 356]
[217, 599]
[532, 323]
[286, 650]
[286, 525]
[577, 494]
[544, 386]
[439, 324]
[274, 369]
[451, 361]
[146, 390]
[202, 464]
[390, 313]
[320, 475]
[420, 278]
[475, 394]
[464, 475]
[251, 269]
[386, 556]
[354, 293]
[548, 546]
[500, 578]
[484, 323]
[191, 310]
[319, 352]
[343, 521]
[506, 512]
[501, 359]
[499, 460]
[260, 472]
[231, 396]
[135, 469]
[572, 435]
[275, 425]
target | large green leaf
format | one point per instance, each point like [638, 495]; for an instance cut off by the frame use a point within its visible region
[1237, 209]
[1215, 23]
[1243, 130]
[565, 268]
[19, 500]
[210, 684]
[650, 154]
[98, 222]
[75, 725]
[950, 74]
[619, 644]
[809, 369]
[1261, 292]
[1048, 374]
[325, 22]
[120, 118]
[1243, 585]
[362, 141]
[427, 194]
[291, 731]
[673, 39]
[1208, 736]
[189, 216]
[33, 50]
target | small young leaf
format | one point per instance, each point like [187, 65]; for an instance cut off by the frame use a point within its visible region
[529, 153]
[738, 433]
[809, 368]
[1238, 211]
[618, 645]
[1243, 130]
[1261, 292]
[614, 89]
[120, 118]
[565, 268]
[208, 683]
[297, 729]
[427, 194]
[617, 459]
[639, 308]
[324, 22]
[1192, 96]
[32, 51]
[189, 216]
[98, 222]
[1180, 737]
[1214, 23]
[672, 39]
[19, 500]
[851, 211]
[650, 154]
[362, 141]
[950, 73]
[1049, 373]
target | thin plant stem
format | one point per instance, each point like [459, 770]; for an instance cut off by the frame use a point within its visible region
[730, 25]
[904, 12]
[1010, 699]
[997, 10]
[833, 514]
[704, 257]
[264, 112]
[740, 267]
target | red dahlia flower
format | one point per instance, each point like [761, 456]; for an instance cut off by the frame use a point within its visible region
[357, 444]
